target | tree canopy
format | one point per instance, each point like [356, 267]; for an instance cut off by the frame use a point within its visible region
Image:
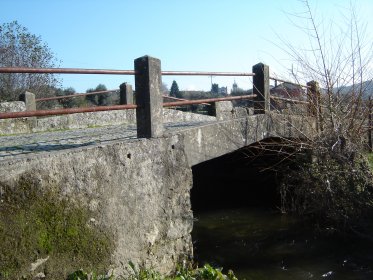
[20, 48]
[174, 91]
[97, 99]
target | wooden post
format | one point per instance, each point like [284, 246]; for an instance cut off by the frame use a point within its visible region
[262, 102]
[149, 113]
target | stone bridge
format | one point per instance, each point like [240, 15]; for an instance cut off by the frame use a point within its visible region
[138, 188]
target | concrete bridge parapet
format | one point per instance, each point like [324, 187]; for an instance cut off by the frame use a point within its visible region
[139, 189]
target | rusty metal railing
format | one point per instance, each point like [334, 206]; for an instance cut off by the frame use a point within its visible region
[114, 72]
[288, 82]
[129, 106]
[201, 101]
[42, 113]
[290, 100]
[64, 71]
[75, 95]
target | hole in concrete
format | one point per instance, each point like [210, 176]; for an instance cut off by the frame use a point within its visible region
[172, 147]
[129, 156]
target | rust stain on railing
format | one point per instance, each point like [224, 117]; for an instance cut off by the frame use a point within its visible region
[287, 82]
[42, 113]
[200, 101]
[64, 71]
[75, 95]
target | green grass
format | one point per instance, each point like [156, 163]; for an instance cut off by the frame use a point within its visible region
[183, 272]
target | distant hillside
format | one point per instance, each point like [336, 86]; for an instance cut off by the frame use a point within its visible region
[367, 88]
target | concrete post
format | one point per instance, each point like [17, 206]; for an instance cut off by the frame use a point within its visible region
[223, 110]
[148, 81]
[314, 102]
[313, 98]
[126, 94]
[29, 99]
[262, 103]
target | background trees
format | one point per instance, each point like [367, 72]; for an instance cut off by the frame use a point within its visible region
[174, 91]
[97, 99]
[20, 48]
[67, 102]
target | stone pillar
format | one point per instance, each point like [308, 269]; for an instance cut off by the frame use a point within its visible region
[126, 94]
[29, 99]
[148, 81]
[262, 103]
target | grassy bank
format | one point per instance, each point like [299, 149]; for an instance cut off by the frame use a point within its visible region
[183, 272]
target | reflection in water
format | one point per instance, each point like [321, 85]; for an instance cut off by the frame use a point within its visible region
[263, 244]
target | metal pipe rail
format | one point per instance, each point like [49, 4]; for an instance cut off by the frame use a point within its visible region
[202, 73]
[182, 99]
[287, 82]
[290, 100]
[75, 95]
[64, 71]
[113, 72]
[201, 101]
[42, 113]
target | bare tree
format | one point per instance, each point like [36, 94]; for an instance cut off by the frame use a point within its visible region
[331, 180]
[338, 59]
[20, 48]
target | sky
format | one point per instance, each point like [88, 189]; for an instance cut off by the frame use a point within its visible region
[186, 35]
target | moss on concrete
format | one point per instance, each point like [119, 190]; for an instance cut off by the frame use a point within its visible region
[36, 224]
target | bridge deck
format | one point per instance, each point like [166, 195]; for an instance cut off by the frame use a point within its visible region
[35, 143]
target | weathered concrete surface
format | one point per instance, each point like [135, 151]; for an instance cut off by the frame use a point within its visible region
[15, 106]
[224, 110]
[139, 189]
[215, 139]
[29, 99]
[84, 120]
[149, 112]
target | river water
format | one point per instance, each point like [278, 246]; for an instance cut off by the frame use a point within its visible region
[263, 244]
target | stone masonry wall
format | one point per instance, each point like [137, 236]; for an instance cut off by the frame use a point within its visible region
[138, 189]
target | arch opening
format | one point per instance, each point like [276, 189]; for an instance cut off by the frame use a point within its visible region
[244, 178]
[235, 201]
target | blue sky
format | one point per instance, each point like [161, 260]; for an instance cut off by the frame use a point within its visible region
[198, 35]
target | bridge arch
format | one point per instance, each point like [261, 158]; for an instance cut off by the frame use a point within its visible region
[243, 178]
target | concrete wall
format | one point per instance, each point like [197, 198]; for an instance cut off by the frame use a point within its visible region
[212, 140]
[138, 189]
[15, 106]
[81, 120]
